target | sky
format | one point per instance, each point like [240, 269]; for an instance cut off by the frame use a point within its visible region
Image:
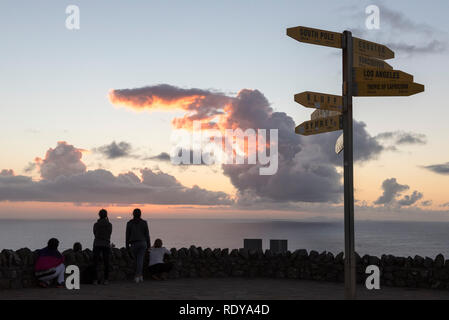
[88, 115]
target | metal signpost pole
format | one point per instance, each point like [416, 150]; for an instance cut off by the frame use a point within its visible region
[350, 275]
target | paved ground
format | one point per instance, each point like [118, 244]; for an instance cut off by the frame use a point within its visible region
[228, 288]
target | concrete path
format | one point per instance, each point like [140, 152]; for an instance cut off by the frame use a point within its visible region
[227, 288]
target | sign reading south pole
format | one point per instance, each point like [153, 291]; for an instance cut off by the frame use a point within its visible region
[318, 100]
[383, 88]
[316, 36]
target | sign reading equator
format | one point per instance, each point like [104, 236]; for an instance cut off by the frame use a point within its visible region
[372, 49]
[318, 100]
[385, 88]
[315, 36]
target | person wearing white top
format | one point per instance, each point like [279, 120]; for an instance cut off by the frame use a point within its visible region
[158, 268]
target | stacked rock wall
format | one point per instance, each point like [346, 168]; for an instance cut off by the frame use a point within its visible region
[16, 267]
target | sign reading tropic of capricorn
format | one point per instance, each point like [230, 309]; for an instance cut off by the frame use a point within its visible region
[365, 74]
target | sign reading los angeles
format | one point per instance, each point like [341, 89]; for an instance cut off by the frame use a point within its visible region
[369, 74]
[372, 49]
[320, 100]
[378, 88]
[364, 61]
[317, 126]
[315, 36]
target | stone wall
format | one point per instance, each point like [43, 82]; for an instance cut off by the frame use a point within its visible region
[16, 267]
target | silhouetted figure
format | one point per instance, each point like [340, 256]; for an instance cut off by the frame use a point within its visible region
[50, 265]
[138, 238]
[158, 268]
[102, 244]
[77, 247]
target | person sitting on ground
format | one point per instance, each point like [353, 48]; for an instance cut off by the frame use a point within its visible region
[102, 245]
[77, 247]
[138, 239]
[50, 265]
[158, 268]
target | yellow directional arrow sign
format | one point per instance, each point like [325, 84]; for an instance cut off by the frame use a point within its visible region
[364, 61]
[321, 113]
[369, 74]
[384, 88]
[315, 36]
[320, 100]
[372, 49]
[317, 126]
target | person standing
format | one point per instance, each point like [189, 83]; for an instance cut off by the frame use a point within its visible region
[138, 239]
[102, 245]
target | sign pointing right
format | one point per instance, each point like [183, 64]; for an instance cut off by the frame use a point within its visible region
[372, 49]
[370, 74]
[384, 88]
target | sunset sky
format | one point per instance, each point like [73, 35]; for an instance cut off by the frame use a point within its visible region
[88, 115]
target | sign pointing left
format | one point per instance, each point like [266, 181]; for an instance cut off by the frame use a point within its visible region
[320, 101]
[316, 36]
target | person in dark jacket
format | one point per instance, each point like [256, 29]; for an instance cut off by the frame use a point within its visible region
[50, 265]
[102, 244]
[138, 238]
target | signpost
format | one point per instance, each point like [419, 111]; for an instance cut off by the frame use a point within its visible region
[315, 36]
[320, 113]
[320, 101]
[364, 74]
[339, 146]
[372, 49]
[320, 125]
[384, 88]
[368, 74]
[364, 61]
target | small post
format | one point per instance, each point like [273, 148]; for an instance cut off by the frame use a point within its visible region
[350, 275]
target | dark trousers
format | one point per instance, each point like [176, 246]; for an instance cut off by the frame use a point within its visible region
[138, 249]
[160, 268]
[105, 251]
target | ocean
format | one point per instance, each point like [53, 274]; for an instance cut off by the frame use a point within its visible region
[372, 237]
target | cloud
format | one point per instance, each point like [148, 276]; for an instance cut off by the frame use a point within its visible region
[163, 156]
[7, 173]
[306, 165]
[402, 137]
[391, 189]
[426, 203]
[415, 38]
[65, 179]
[442, 168]
[201, 105]
[115, 150]
[435, 46]
[101, 186]
[408, 200]
[64, 160]
[30, 167]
